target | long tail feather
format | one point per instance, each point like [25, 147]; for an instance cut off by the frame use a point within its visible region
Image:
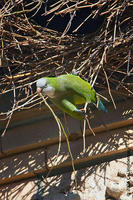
[101, 106]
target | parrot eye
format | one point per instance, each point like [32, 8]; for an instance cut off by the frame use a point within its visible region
[45, 86]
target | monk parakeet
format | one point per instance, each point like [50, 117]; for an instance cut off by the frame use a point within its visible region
[66, 91]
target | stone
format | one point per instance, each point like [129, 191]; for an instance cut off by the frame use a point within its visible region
[123, 172]
[55, 196]
[93, 195]
[60, 196]
[126, 197]
[131, 181]
[115, 190]
[72, 196]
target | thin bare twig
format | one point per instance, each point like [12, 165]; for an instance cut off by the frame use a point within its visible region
[32, 51]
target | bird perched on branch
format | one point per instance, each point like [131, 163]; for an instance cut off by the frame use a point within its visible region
[67, 91]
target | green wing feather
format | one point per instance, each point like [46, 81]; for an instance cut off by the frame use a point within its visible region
[78, 87]
[68, 107]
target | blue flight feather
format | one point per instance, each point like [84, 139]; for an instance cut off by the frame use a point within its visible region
[101, 106]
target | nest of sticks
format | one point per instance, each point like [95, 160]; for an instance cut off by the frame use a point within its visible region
[29, 51]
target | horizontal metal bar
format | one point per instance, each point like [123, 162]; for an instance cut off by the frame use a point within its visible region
[72, 137]
[67, 166]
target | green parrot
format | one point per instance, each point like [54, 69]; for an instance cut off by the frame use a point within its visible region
[67, 91]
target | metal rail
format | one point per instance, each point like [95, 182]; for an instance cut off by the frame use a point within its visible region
[67, 166]
[72, 137]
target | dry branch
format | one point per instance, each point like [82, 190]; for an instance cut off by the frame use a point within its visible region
[29, 51]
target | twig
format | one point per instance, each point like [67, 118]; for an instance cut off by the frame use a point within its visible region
[32, 51]
[21, 106]
[109, 88]
[128, 63]
[89, 126]
[57, 121]
[84, 127]
[13, 108]
[60, 126]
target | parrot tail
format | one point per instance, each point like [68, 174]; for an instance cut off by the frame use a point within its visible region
[101, 106]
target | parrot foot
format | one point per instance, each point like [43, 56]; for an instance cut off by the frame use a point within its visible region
[88, 113]
[84, 115]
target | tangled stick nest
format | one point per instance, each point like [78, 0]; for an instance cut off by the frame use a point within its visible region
[29, 51]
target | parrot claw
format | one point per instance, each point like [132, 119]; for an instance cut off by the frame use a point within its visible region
[86, 113]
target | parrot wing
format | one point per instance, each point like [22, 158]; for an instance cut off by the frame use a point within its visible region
[77, 86]
[68, 107]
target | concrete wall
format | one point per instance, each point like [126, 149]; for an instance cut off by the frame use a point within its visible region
[36, 128]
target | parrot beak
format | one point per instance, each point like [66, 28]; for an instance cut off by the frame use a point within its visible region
[39, 90]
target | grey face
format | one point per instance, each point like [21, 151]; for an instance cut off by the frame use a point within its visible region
[45, 88]
[41, 83]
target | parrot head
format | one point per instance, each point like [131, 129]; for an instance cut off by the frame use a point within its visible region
[45, 88]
